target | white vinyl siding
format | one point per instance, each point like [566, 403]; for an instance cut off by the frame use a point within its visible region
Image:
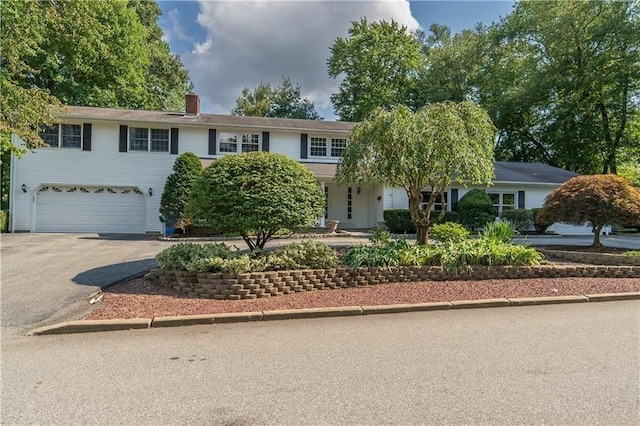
[103, 166]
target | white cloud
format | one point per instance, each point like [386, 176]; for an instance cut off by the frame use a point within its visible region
[249, 42]
[173, 29]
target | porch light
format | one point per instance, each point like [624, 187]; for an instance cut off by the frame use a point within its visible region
[150, 192]
[358, 190]
[24, 188]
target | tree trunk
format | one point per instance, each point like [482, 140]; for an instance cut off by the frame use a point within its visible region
[596, 236]
[422, 234]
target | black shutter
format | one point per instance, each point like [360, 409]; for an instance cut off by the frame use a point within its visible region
[174, 141]
[303, 145]
[86, 137]
[265, 141]
[521, 199]
[212, 141]
[454, 199]
[124, 131]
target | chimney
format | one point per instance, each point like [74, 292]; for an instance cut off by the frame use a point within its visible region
[192, 105]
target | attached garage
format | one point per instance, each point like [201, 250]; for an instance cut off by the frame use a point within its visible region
[99, 209]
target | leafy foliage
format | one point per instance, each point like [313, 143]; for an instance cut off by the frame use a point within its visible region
[106, 54]
[179, 256]
[378, 63]
[426, 149]
[193, 257]
[563, 82]
[256, 195]
[520, 219]
[284, 101]
[449, 216]
[305, 254]
[450, 256]
[4, 220]
[597, 199]
[449, 232]
[540, 225]
[186, 169]
[498, 231]
[399, 221]
[476, 209]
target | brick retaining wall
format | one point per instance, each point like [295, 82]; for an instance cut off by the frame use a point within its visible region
[277, 283]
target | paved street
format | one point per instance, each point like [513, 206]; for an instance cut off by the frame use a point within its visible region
[562, 364]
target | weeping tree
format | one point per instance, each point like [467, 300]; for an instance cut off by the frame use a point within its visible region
[422, 151]
[598, 199]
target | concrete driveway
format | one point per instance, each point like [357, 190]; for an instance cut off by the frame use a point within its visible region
[48, 277]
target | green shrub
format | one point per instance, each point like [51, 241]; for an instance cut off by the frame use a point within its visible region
[476, 209]
[179, 256]
[520, 219]
[632, 253]
[540, 225]
[449, 232]
[499, 231]
[256, 195]
[452, 257]
[387, 255]
[4, 220]
[380, 237]
[186, 169]
[309, 254]
[449, 216]
[399, 221]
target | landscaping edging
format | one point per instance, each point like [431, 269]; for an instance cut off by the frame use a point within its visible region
[592, 258]
[277, 283]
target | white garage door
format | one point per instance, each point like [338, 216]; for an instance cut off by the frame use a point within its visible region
[89, 209]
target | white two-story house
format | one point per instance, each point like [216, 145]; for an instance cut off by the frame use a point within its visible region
[105, 169]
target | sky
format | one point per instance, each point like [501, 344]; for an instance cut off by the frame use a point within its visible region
[229, 45]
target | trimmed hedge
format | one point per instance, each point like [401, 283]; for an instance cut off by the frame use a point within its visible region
[476, 209]
[399, 221]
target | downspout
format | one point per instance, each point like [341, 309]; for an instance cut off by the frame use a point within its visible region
[12, 178]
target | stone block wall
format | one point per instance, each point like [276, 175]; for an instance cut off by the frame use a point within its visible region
[277, 283]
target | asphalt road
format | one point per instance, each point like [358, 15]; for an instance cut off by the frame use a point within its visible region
[563, 364]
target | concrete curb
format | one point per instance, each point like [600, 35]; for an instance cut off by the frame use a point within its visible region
[87, 326]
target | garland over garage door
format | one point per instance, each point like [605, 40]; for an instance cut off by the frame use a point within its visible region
[89, 209]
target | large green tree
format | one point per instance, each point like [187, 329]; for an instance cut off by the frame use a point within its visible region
[256, 195]
[379, 63]
[422, 151]
[565, 82]
[284, 101]
[92, 53]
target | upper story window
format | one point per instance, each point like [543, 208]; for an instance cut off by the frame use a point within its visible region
[338, 146]
[150, 140]
[327, 147]
[234, 143]
[63, 136]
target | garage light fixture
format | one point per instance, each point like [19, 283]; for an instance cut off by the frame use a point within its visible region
[150, 192]
[24, 188]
